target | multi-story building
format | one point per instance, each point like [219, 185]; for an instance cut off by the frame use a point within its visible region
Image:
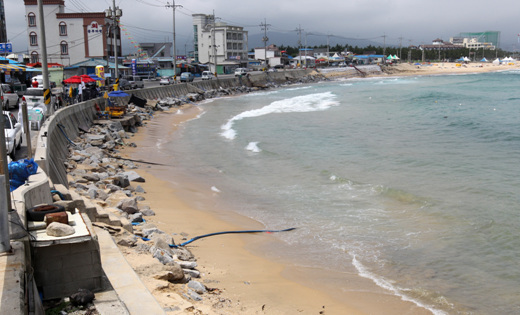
[485, 40]
[223, 47]
[3, 27]
[439, 44]
[70, 37]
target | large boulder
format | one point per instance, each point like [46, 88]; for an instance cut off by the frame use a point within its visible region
[133, 176]
[128, 205]
[59, 229]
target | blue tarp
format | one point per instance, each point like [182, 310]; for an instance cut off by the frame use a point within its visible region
[117, 94]
[19, 171]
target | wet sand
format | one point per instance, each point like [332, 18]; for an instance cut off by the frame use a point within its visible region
[249, 279]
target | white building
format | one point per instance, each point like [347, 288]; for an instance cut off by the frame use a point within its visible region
[70, 37]
[219, 44]
[262, 54]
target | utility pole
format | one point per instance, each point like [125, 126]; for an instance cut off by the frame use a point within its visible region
[264, 27]
[168, 5]
[43, 47]
[306, 50]
[328, 53]
[299, 30]
[115, 13]
[400, 46]
[384, 46]
[214, 48]
[3, 167]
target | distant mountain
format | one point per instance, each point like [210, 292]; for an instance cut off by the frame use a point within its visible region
[291, 39]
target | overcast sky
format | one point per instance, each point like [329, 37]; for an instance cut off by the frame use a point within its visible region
[415, 21]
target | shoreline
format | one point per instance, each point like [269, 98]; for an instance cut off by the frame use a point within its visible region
[252, 281]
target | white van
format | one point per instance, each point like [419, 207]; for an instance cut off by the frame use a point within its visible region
[240, 72]
[207, 75]
[39, 79]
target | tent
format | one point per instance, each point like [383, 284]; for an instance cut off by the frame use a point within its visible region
[73, 80]
[483, 60]
[496, 61]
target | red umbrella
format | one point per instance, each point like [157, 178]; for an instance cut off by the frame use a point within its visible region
[86, 78]
[73, 80]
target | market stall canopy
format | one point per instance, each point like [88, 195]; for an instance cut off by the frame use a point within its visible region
[11, 67]
[95, 77]
[73, 80]
[86, 78]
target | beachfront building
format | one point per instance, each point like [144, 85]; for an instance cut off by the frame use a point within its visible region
[439, 44]
[481, 40]
[220, 46]
[70, 37]
[269, 55]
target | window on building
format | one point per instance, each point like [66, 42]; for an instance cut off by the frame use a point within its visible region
[235, 46]
[34, 57]
[31, 19]
[63, 28]
[33, 39]
[64, 47]
[229, 45]
[235, 36]
[240, 37]
[239, 46]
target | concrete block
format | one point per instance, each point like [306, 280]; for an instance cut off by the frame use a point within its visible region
[67, 289]
[12, 268]
[127, 225]
[90, 209]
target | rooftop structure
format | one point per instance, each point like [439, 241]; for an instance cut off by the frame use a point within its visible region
[70, 37]
[439, 44]
[216, 43]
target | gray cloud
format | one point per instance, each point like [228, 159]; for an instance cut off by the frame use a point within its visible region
[417, 22]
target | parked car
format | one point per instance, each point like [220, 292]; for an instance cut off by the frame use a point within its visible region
[187, 77]
[13, 134]
[166, 80]
[18, 87]
[9, 98]
[35, 96]
[124, 84]
[136, 82]
[207, 75]
[240, 72]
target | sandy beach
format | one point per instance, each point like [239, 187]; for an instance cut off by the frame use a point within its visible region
[246, 279]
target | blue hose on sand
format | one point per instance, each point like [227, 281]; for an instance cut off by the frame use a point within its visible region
[220, 233]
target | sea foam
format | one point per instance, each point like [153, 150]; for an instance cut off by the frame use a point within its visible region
[299, 104]
[253, 147]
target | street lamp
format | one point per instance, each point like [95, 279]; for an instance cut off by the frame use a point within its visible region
[114, 13]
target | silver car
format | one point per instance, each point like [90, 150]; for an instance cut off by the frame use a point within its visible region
[9, 97]
[13, 134]
[166, 80]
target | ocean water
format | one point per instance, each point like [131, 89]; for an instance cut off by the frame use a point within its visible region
[412, 182]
